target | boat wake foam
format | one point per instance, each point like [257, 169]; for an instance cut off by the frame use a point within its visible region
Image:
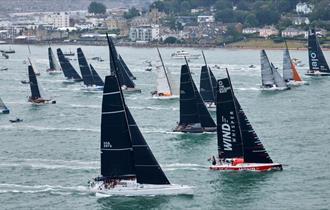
[52, 164]
[40, 128]
[56, 189]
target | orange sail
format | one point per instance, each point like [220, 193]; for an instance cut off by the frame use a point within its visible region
[296, 76]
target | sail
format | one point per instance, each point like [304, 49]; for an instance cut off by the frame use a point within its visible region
[174, 87]
[188, 103]
[278, 79]
[287, 72]
[296, 75]
[84, 68]
[230, 143]
[266, 70]
[116, 147]
[254, 151]
[34, 67]
[68, 70]
[206, 87]
[2, 105]
[123, 77]
[50, 58]
[204, 114]
[148, 171]
[214, 84]
[317, 60]
[35, 93]
[130, 74]
[53, 64]
[113, 58]
[96, 78]
[162, 82]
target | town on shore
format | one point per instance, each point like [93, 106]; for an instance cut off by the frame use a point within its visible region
[219, 23]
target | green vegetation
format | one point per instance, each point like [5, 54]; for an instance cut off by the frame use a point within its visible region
[132, 12]
[251, 13]
[96, 8]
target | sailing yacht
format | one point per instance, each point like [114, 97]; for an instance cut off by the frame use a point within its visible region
[239, 148]
[194, 116]
[165, 87]
[117, 67]
[3, 108]
[54, 66]
[290, 74]
[87, 74]
[36, 90]
[128, 167]
[271, 78]
[68, 70]
[208, 85]
[318, 65]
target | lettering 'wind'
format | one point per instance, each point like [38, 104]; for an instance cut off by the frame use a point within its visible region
[226, 135]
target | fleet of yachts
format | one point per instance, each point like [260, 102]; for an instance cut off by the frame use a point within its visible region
[128, 166]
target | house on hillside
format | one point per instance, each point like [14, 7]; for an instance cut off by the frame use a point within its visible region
[304, 8]
[293, 32]
[300, 20]
[268, 31]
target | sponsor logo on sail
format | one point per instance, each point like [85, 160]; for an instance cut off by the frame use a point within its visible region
[222, 88]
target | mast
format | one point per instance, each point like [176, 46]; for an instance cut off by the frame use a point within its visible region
[168, 81]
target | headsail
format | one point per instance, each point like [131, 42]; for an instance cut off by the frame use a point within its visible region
[96, 78]
[266, 70]
[254, 151]
[279, 81]
[117, 159]
[148, 171]
[123, 76]
[287, 72]
[68, 70]
[206, 85]
[163, 81]
[35, 92]
[317, 61]
[130, 74]
[84, 68]
[296, 75]
[53, 64]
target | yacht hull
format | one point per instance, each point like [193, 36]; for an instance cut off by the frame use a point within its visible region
[248, 167]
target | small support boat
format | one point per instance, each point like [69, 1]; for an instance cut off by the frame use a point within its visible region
[69, 53]
[270, 77]
[194, 116]
[54, 66]
[166, 88]
[17, 120]
[3, 68]
[36, 90]
[182, 54]
[239, 148]
[318, 65]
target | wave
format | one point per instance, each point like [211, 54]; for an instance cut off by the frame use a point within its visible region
[183, 166]
[40, 128]
[52, 164]
[56, 189]
[153, 108]
[85, 106]
[248, 89]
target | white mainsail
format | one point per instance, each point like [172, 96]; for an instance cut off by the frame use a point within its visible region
[163, 86]
[287, 72]
[266, 70]
[55, 61]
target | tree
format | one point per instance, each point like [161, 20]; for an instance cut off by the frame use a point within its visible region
[132, 12]
[251, 20]
[225, 15]
[266, 15]
[170, 40]
[96, 8]
[223, 4]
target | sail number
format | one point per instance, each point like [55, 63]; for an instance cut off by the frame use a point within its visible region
[106, 144]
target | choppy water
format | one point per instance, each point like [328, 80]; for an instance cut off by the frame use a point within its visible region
[46, 161]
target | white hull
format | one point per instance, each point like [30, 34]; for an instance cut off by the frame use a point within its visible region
[274, 88]
[316, 74]
[165, 97]
[131, 188]
[297, 83]
[92, 88]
